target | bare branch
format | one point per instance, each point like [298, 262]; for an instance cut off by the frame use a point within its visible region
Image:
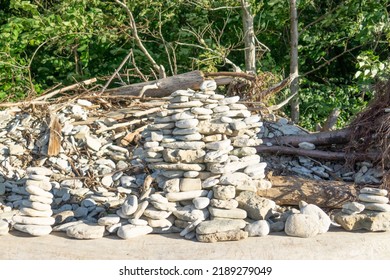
[117, 70]
[138, 41]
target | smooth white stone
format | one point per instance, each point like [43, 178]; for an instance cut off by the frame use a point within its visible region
[131, 231]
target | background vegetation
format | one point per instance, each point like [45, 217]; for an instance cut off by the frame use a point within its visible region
[343, 45]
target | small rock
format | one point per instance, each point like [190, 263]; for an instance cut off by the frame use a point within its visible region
[224, 192]
[85, 231]
[258, 228]
[109, 220]
[306, 146]
[2, 188]
[323, 218]
[131, 231]
[232, 235]
[130, 205]
[159, 223]
[107, 181]
[156, 214]
[201, 202]
[93, 143]
[352, 208]
[277, 226]
[219, 225]
[4, 228]
[35, 213]
[138, 222]
[302, 225]
[81, 212]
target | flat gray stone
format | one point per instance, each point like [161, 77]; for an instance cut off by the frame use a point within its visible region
[39, 171]
[186, 115]
[190, 104]
[367, 190]
[188, 123]
[35, 213]
[34, 230]
[34, 190]
[219, 225]
[210, 182]
[132, 231]
[257, 207]
[93, 143]
[177, 166]
[162, 223]
[193, 145]
[181, 196]
[256, 171]
[2, 188]
[302, 225]
[258, 228]
[85, 231]
[219, 145]
[183, 156]
[201, 111]
[45, 185]
[377, 207]
[373, 198]
[36, 205]
[40, 221]
[156, 214]
[191, 174]
[41, 199]
[306, 146]
[189, 137]
[235, 213]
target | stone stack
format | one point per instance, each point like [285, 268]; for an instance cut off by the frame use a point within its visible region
[201, 149]
[35, 214]
[371, 212]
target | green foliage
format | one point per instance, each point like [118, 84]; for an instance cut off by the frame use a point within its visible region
[343, 45]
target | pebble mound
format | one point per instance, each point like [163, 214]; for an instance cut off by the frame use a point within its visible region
[35, 214]
[201, 149]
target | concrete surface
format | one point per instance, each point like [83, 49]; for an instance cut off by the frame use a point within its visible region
[335, 244]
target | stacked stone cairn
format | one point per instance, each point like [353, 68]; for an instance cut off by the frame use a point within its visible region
[371, 211]
[201, 149]
[35, 214]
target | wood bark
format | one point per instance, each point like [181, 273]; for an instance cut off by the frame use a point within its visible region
[341, 136]
[294, 86]
[249, 38]
[290, 190]
[191, 80]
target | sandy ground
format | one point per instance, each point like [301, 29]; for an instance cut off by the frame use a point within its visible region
[334, 245]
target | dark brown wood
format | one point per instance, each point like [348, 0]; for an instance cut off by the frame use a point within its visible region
[231, 74]
[191, 80]
[290, 190]
[327, 155]
[341, 136]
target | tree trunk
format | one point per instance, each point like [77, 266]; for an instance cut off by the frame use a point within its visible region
[249, 38]
[294, 87]
[289, 190]
[191, 80]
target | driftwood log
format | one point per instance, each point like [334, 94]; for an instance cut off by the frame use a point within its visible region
[341, 136]
[289, 190]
